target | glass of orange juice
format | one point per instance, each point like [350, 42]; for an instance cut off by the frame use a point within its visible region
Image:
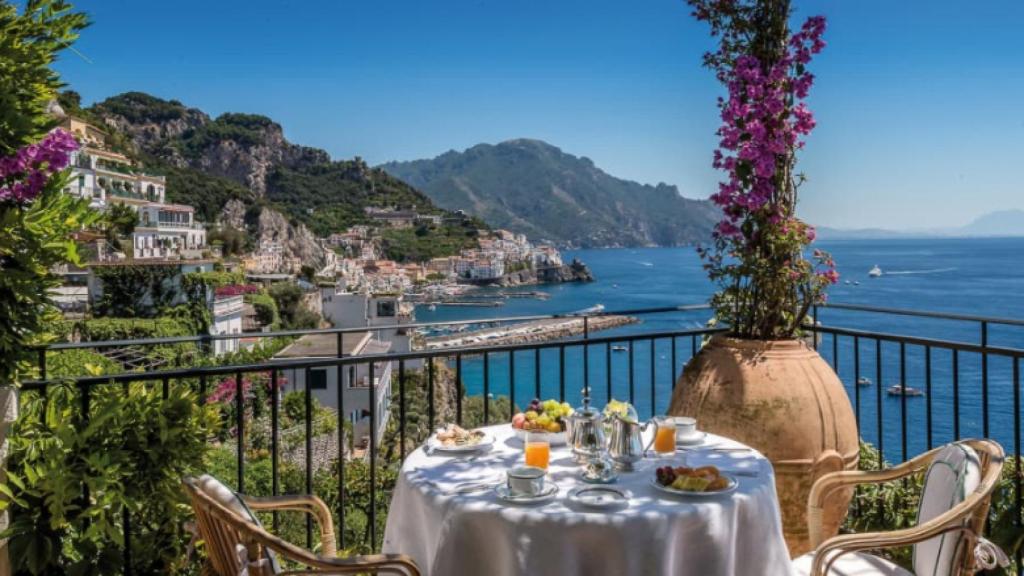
[537, 449]
[664, 436]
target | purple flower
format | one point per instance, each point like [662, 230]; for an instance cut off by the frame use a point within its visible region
[24, 175]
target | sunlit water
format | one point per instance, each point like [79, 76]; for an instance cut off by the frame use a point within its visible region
[969, 276]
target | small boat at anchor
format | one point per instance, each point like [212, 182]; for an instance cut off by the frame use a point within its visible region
[619, 348]
[898, 390]
[863, 381]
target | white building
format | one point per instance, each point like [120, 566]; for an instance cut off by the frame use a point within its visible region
[374, 311]
[105, 177]
[226, 312]
[350, 395]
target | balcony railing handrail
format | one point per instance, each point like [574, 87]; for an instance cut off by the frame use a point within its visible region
[202, 338]
[343, 361]
[926, 314]
[359, 329]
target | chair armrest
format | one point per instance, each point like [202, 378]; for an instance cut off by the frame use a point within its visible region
[949, 521]
[828, 483]
[376, 563]
[301, 503]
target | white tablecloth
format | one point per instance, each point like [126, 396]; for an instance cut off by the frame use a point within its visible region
[657, 534]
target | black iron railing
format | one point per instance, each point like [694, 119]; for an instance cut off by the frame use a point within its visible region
[639, 366]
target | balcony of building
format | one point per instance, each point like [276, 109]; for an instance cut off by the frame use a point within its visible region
[930, 379]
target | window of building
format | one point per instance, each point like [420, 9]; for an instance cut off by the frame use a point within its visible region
[318, 379]
[386, 308]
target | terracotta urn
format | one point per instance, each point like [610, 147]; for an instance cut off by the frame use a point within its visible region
[783, 399]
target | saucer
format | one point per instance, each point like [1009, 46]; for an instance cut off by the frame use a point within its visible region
[600, 497]
[697, 437]
[549, 492]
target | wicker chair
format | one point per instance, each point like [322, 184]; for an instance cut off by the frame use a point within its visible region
[236, 543]
[959, 481]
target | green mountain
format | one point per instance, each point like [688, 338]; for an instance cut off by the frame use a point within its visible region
[532, 187]
[206, 154]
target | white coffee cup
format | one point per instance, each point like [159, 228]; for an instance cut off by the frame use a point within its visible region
[525, 481]
[686, 427]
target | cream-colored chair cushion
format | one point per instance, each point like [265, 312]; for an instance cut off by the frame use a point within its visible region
[851, 564]
[230, 499]
[226, 497]
[953, 474]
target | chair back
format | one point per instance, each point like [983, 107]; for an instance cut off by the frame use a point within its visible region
[226, 532]
[967, 470]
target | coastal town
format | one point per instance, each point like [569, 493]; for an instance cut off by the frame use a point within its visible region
[157, 259]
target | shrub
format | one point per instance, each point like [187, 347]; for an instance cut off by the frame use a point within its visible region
[131, 452]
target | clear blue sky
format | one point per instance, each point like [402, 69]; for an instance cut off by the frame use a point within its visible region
[920, 103]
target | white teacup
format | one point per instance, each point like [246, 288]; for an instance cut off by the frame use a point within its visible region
[525, 481]
[686, 427]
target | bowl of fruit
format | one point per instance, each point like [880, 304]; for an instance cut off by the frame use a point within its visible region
[549, 418]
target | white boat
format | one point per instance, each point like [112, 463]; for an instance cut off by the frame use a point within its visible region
[897, 390]
[619, 348]
[863, 381]
[592, 310]
[875, 272]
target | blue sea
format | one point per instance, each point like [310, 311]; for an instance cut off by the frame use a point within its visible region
[967, 276]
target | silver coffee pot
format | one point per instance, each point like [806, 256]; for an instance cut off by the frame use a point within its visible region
[586, 431]
[626, 444]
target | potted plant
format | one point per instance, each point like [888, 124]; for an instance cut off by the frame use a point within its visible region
[760, 382]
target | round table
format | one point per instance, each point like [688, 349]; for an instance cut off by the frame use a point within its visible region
[657, 534]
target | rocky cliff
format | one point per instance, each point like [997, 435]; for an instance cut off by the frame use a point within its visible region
[576, 271]
[239, 169]
[242, 149]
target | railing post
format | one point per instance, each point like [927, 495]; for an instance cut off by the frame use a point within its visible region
[42, 363]
[511, 383]
[240, 430]
[458, 389]
[401, 409]
[373, 452]
[487, 388]
[654, 393]
[984, 380]
[275, 403]
[814, 326]
[309, 449]
[430, 392]
[586, 355]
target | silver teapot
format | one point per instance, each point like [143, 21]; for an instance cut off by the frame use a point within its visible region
[586, 431]
[626, 444]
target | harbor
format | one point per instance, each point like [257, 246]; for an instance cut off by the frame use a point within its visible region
[525, 332]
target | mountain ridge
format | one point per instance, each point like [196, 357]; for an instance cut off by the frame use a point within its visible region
[998, 223]
[530, 186]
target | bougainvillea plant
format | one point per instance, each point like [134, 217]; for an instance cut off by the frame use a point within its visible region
[767, 282]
